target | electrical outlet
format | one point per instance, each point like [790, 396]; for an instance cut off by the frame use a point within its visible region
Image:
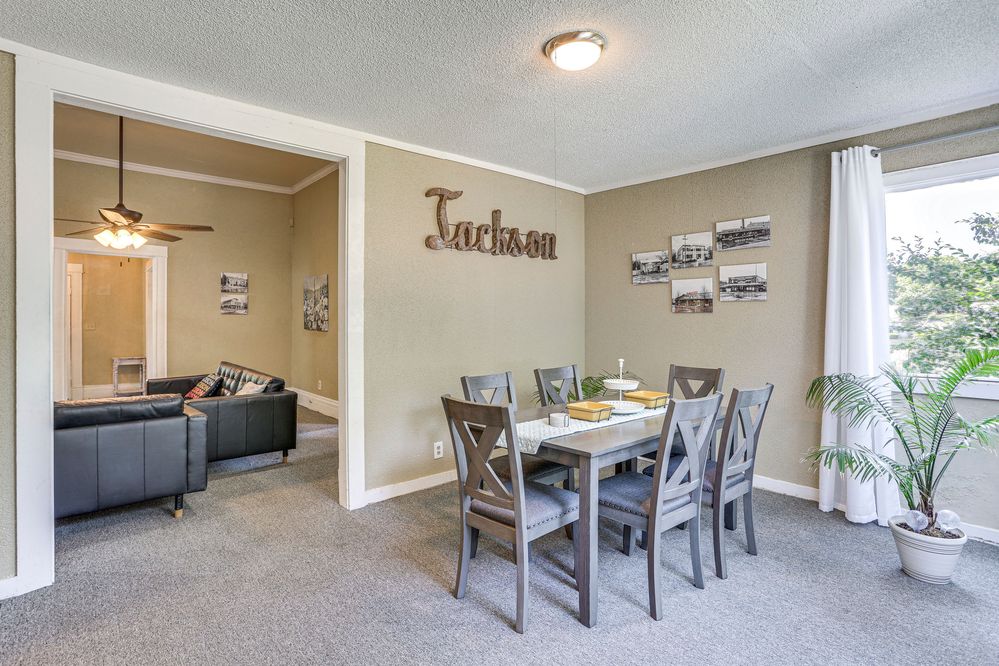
[438, 449]
[319, 385]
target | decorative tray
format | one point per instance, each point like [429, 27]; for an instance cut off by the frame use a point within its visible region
[651, 399]
[589, 411]
[624, 406]
[615, 384]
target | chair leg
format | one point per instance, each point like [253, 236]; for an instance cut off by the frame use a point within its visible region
[523, 602]
[731, 519]
[682, 526]
[475, 543]
[721, 570]
[694, 527]
[464, 558]
[629, 540]
[747, 514]
[178, 506]
[284, 456]
[643, 540]
[570, 484]
[655, 576]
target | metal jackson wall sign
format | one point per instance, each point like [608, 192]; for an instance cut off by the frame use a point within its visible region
[492, 238]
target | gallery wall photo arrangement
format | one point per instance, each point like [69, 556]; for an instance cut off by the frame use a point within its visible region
[691, 250]
[693, 295]
[234, 304]
[742, 234]
[234, 298]
[316, 296]
[235, 283]
[650, 267]
[743, 282]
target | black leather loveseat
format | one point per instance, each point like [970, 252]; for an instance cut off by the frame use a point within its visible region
[241, 425]
[116, 451]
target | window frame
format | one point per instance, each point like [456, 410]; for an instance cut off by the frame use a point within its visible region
[946, 173]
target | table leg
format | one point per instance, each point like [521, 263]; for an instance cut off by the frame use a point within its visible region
[588, 517]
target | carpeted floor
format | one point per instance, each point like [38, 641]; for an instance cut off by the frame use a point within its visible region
[265, 567]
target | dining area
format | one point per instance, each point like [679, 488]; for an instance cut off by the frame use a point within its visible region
[647, 463]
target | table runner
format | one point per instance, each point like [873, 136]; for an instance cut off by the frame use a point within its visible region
[531, 433]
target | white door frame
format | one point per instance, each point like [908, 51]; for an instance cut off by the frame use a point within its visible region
[40, 80]
[73, 384]
[156, 307]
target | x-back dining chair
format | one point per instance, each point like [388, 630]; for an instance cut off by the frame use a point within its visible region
[731, 477]
[498, 389]
[516, 510]
[670, 497]
[681, 376]
[552, 394]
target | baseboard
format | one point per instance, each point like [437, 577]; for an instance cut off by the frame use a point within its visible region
[411, 486]
[91, 391]
[317, 403]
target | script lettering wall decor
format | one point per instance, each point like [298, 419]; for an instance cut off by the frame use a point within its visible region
[492, 238]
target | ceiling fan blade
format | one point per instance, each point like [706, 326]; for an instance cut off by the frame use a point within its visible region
[69, 219]
[86, 231]
[177, 227]
[158, 235]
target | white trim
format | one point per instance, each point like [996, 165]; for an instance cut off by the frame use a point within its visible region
[73, 379]
[973, 531]
[171, 173]
[312, 178]
[411, 486]
[42, 79]
[317, 403]
[931, 113]
[944, 173]
[91, 391]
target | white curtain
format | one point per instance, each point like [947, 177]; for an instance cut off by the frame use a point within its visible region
[856, 323]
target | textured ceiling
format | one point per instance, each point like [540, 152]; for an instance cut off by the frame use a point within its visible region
[681, 84]
[79, 130]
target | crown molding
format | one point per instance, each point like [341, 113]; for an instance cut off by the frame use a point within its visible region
[318, 175]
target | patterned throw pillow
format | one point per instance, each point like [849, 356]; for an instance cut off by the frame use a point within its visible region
[250, 388]
[206, 388]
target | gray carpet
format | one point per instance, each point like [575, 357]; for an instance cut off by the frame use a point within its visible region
[265, 567]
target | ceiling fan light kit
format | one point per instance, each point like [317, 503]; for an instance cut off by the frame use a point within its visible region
[122, 227]
[576, 50]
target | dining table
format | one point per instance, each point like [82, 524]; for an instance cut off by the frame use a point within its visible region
[590, 451]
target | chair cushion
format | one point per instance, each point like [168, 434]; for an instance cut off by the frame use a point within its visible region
[541, 505]
[709, 473]
[81, 413]
[250, 388]
[631, 492]
[532, 467]
[206, 388]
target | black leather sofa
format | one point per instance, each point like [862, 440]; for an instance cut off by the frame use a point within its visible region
[116, 451]
[241, 425]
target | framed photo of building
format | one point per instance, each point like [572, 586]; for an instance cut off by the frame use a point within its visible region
[744, 282]
[741, 234]
[234, 304]
[650, 267]
[316, 303]
[693, 295]
[691, 250]
[235, 283]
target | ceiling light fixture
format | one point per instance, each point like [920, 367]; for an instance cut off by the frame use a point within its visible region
[576, 50]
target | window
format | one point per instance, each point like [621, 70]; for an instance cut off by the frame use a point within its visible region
[943, 264]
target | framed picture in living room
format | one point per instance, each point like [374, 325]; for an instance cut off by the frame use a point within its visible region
[316, 303]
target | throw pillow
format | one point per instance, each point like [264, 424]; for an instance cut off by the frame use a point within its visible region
[206, 388]
[250, 388]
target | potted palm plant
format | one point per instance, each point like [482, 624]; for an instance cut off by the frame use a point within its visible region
[928, 432]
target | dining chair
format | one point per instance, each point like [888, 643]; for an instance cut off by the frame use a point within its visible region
[667, 498]
[552, 393]
[515, 510]
[498, 389]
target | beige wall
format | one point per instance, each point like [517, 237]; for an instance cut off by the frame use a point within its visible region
[114, 313]
[8, 553]
[314, 252]
[780, 340]
[432, 316]
[252, 235]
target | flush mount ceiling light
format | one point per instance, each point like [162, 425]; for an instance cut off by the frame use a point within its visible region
[576, 50]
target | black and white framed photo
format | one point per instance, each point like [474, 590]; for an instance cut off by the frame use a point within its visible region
[742, 234]
[235, 283]
[234, 304]
[744, 282]
[316, 303]
[650, 267]
[692, 250]
[693, 295]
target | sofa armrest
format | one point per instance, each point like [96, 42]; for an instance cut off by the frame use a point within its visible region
[197, 451]
[179, 385]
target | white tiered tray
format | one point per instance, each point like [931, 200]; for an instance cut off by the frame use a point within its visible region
[624, 406]
[615, 384]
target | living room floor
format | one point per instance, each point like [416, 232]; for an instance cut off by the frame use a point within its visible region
[266, 567]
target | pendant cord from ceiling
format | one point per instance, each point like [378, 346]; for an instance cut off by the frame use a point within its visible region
[945, 137]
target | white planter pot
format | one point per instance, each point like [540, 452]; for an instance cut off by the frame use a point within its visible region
[926, 558]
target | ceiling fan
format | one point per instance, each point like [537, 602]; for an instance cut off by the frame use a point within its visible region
[123, 227]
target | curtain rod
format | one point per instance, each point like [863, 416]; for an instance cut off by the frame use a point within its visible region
[946, 137]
